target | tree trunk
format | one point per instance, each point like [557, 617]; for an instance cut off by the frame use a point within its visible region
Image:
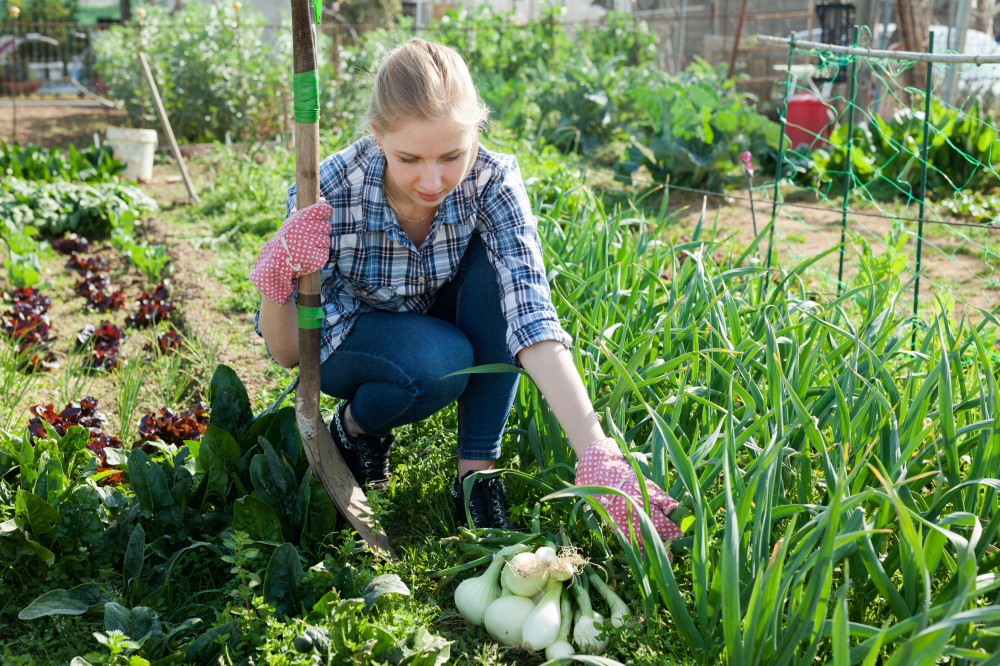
[126, 9]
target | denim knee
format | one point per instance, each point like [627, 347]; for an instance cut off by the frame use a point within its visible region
[444, 356]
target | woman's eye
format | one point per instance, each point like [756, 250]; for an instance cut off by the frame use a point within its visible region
[452, 158]
[407, 160]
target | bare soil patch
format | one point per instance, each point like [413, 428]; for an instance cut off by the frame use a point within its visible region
[959, 261]
[55, 123]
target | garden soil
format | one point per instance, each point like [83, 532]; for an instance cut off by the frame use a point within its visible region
[951, 262]
[55, 124]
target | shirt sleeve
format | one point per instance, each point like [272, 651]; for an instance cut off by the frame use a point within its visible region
[510, 234]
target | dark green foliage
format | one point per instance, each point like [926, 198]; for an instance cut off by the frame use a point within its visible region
[963, 152]
[57, 519]
[90, 165]
[59, 207]
[586, 105]
[694, 129]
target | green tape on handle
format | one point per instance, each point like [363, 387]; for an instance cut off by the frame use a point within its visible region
[305, 86]
[318, 6]
[310, 317]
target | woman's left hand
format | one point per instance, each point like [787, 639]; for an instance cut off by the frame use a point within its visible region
[603, 464]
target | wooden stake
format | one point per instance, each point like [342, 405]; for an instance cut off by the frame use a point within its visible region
[166, 124]
[736, 39]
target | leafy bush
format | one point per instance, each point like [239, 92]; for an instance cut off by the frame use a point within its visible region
[619, 34]
[56, 208]
[585, 104]
[91, 165]
[963, 152]
[215, 72]
[494, 43]
[695, 128]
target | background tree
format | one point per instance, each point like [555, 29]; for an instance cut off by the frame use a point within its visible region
[369, 14]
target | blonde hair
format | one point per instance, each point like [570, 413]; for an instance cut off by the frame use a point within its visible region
[427, 81]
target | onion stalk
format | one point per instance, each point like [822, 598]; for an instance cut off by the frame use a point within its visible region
[561, 648]
[587, 635]
[619, 609]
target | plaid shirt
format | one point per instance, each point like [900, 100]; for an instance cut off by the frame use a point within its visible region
[373, 265]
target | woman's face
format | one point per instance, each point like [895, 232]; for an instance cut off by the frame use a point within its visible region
[426, 160]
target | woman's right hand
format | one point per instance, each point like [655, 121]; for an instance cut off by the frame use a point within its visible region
[301, 246]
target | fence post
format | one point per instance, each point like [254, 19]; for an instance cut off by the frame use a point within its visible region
[781, 159]
[849, 165]
[15, 11]
[142, 89]
[923, 178]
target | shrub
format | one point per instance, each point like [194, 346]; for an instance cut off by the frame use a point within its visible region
[695, 127]
[214, 70]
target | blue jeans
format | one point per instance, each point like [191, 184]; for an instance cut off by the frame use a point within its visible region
[392, 365]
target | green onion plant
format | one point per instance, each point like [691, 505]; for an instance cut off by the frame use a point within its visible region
[842, 482]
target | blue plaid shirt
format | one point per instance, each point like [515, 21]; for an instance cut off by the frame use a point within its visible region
[373, 265]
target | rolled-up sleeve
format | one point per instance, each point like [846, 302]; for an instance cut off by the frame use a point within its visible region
[510, 234]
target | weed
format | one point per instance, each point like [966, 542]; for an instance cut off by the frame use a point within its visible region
[131, 381]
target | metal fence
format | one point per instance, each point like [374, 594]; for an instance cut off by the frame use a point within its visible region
[47, 58]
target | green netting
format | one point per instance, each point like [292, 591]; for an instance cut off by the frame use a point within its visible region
[883, 142]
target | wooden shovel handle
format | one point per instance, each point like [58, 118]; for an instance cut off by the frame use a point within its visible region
[324, 458]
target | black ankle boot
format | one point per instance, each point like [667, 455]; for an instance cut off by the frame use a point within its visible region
[367, 456]
[487, 503]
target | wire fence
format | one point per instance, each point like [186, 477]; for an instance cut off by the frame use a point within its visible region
[860, 138]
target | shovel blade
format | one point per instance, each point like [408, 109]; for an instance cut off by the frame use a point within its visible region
[329, 467]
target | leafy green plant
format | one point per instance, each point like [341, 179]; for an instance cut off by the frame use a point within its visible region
[496, 43]
[90, 165]
[586, 104]
[963, 152]
[23, 270]
[58, 517]
[60, 207]
[24, 253]
[149, 259]
[695, 128]
[118, 645]
[620, 34]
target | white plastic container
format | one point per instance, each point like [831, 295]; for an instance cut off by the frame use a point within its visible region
[37, 71]
[135, 147]
[55, 70]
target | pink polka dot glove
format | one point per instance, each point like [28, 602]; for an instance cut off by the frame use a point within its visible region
[603, 464]
[301, 246]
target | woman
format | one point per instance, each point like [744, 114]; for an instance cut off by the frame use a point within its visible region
[431, 263]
